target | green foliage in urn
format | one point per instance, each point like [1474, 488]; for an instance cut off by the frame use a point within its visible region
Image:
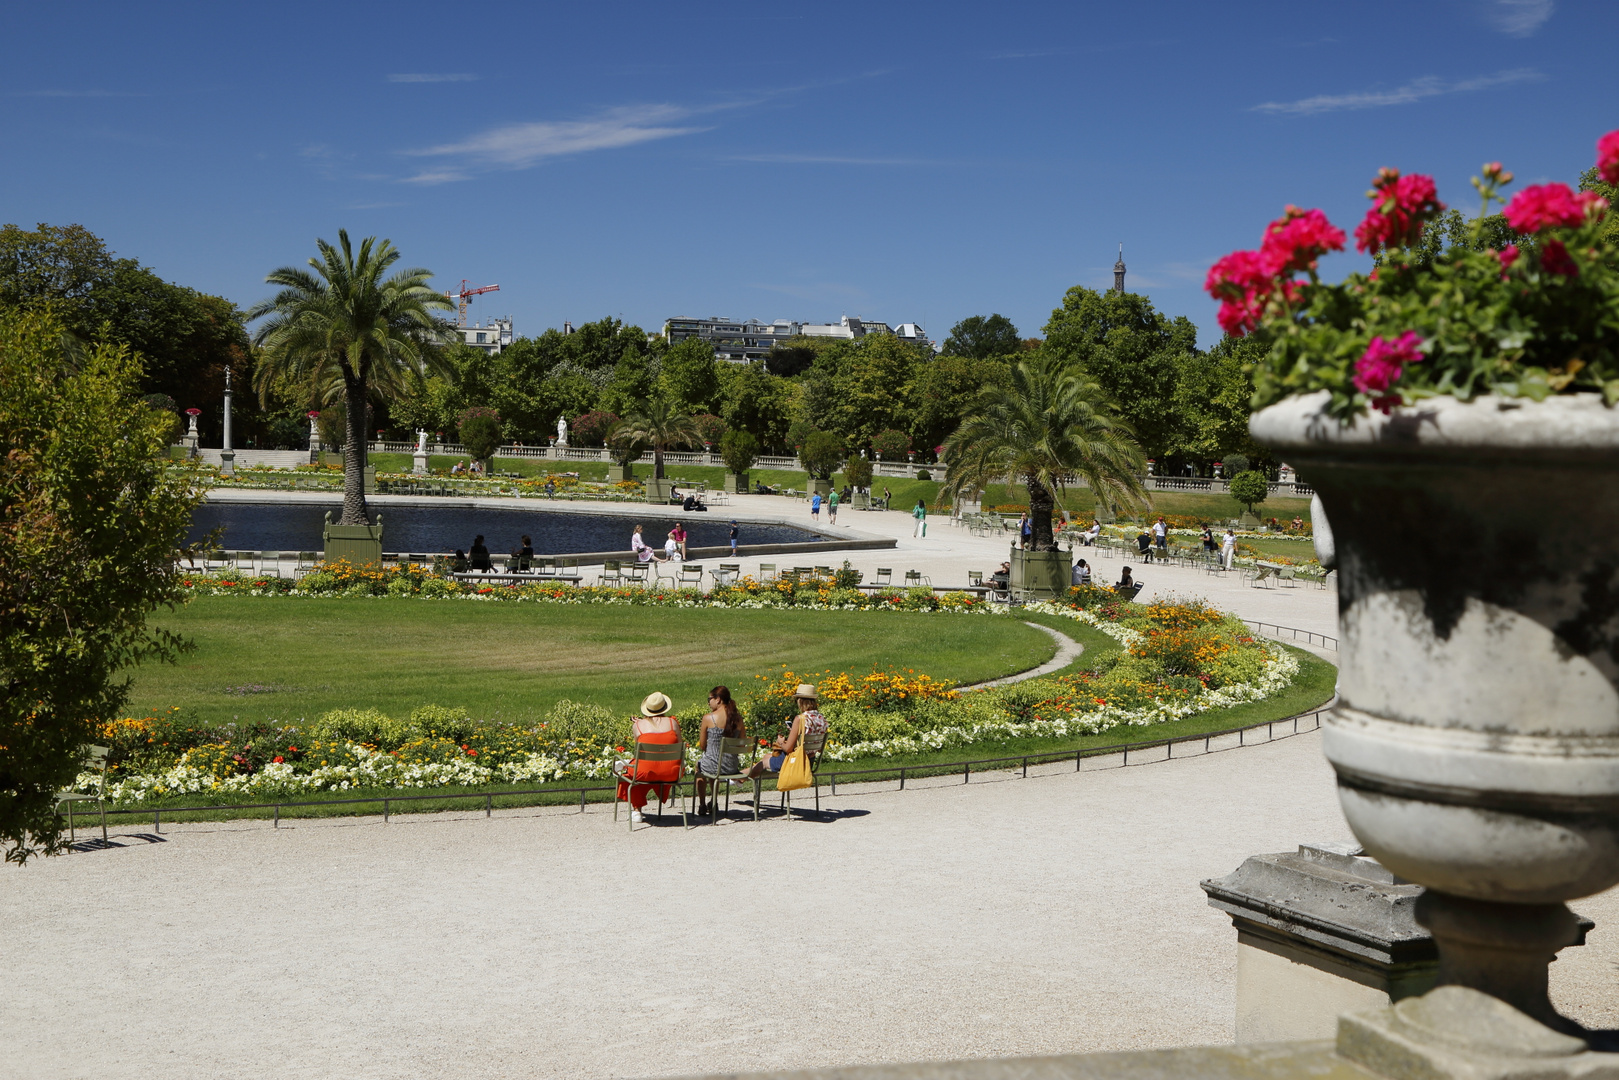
[480, 432]
[91, 526]
[1522, 319]
[857, 471]
[891, 444]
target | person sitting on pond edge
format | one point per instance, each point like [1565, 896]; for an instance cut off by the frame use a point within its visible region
[478, 555]
[523, 557]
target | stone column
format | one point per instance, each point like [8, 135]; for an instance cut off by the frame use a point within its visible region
[189, 439]
[227, 454]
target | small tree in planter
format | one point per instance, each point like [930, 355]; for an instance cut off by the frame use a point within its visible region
[739, 451]
[1466, 394]
[857, 471]
[1250, 488]
[822, 453]
[659, 424]
[626, 451]
[479, 429]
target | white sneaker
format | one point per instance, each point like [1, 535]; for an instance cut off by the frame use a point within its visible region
[636, 818]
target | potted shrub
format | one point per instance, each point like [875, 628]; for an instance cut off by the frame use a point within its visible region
[1250, 488]
[822, 454]
[1447, 407]
[739, 451]
[479, 431]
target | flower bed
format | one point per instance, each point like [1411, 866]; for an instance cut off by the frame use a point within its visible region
[1177, 659]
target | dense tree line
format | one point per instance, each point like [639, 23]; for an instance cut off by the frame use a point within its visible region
[1186, 406]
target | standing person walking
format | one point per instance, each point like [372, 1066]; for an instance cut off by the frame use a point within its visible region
[832, 507]
[920, 513]
[815, 507]
[1160, 535]
[1025, 532]
[1228, 549]
[733, 539]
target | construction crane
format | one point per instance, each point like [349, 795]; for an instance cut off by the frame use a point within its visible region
[465, 297]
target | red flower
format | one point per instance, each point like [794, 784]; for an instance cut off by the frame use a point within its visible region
[1554, 259]
[1402, 205]
[1508, 255]
[279, 759]
[1608, 157]
[1239, 281]
[1381, 366]
[1544, 205]
[1294, 241]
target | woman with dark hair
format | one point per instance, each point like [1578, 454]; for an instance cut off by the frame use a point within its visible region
[723, 721]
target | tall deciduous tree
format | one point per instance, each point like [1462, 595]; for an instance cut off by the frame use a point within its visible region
[687, 376]
[857, 389]
[980, 337]
[90, 524]
[1048, 423]
[348, 322]
[1132, 351]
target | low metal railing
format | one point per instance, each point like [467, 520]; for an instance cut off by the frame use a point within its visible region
[824, 777]
[1326, 641]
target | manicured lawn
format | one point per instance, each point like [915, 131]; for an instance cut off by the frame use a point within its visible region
[513, 661]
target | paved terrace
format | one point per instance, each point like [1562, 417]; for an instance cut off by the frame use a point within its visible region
[1055, 914]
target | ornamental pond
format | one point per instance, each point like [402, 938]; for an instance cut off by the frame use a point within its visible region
[433, 529]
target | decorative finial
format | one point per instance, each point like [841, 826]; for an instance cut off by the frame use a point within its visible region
[1118, 272]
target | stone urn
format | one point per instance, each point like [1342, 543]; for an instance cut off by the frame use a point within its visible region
[1476, 742]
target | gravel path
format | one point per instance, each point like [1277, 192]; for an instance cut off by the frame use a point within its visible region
[1059, 913]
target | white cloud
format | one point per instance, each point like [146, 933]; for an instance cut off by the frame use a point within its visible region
[434, 77]
[1416, 90]
[519, 146]
[441, 176]
[827, 159]
[1518, 18]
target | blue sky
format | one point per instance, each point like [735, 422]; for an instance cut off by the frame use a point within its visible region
[906, 162]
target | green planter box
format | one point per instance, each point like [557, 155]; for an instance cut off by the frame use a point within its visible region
[618, 474]
[1040, 575]
[820, 487]
[657, 491]
[361, 545]
[736, 483]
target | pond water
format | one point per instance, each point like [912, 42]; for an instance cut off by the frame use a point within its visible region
[433, 529]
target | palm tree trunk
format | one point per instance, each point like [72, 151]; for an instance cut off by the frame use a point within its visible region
[354, 509]
[1040, 505]
[657, 462]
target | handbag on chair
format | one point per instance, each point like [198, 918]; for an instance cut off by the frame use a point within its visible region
[795, 771]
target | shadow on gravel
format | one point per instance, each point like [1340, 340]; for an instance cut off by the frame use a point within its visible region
[115, 842]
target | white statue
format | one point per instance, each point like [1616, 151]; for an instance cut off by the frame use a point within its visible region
[562, 431]
[421, 441]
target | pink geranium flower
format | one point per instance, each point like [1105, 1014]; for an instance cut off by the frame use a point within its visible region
[1402, 205]
[1545, 205]
[1508, 255]
[1554, 259]
[1608, 157]
[1381, 366]
[1294, 241]
[1240, 283]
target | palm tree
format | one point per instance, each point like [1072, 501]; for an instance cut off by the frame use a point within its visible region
[347, 330]
[1049, 425]
[658, 423]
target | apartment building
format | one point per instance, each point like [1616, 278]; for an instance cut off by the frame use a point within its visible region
[741, 340]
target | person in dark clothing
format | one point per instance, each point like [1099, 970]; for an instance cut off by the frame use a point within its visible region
[523, 557]
[1144, 546]
[458, 565]
[735, 533]
[1127, 584]
[478, 555]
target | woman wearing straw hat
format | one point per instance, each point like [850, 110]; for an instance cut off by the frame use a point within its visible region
[656, 724]
[809, 720]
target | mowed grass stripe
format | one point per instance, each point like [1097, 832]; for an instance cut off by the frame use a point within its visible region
[513, 661]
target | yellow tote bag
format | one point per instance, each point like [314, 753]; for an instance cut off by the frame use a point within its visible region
[795, 771]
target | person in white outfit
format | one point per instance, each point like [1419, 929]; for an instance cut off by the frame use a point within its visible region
[1228, 549]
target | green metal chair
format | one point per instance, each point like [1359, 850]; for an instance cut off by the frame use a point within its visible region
[814, 743]
[652, 753]
[95, 759]
[737, 747]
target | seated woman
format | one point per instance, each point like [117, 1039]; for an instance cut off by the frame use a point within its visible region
[1081, 574]
[808, 721]
[523, 557]
[656, 724]
[723, 721]
[1126, 582]
[458, 565]
[478, 555]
